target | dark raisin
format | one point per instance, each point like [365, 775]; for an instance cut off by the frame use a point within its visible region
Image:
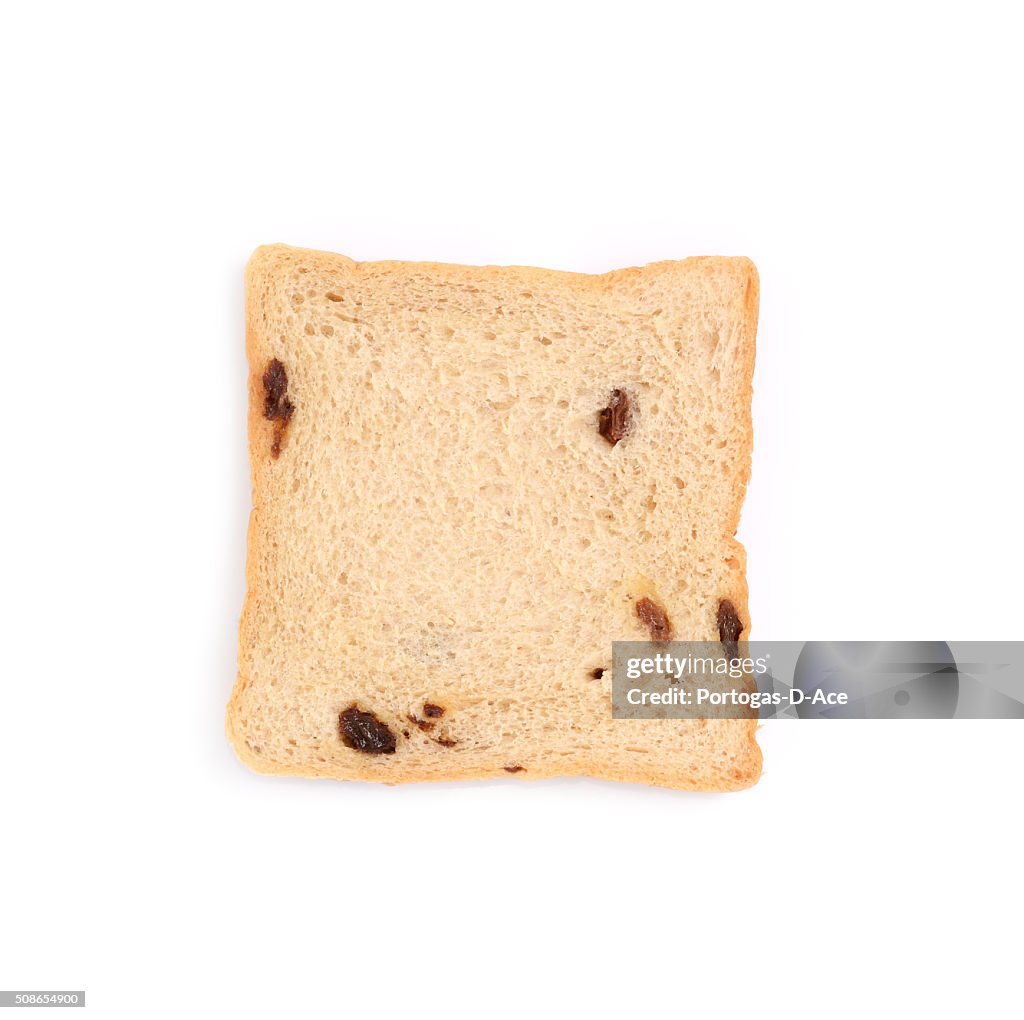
[614, 421]
[514, 768]
[432, 711]
[596, 674]
[729, 627]
[363, 731]
[423, 724]
[655, 619]
[277, 407]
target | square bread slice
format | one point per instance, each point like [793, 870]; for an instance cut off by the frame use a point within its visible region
[467, 482]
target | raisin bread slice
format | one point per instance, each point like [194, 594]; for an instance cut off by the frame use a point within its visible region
[467, 482]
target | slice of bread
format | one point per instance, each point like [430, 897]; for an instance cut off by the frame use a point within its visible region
[467, 482]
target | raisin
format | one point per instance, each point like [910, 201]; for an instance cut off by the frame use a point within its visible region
[614, 421]
[597, 674]
[513, 768]
[277, 407]
[729, 627]
[655, 619]
[432, 711]
[363, 731]
[423, 724]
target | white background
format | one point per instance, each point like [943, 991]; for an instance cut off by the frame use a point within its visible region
[866, 157]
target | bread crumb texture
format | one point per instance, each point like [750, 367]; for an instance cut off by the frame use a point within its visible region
[443, 524]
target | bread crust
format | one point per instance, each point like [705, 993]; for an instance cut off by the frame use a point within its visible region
[733, 758]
